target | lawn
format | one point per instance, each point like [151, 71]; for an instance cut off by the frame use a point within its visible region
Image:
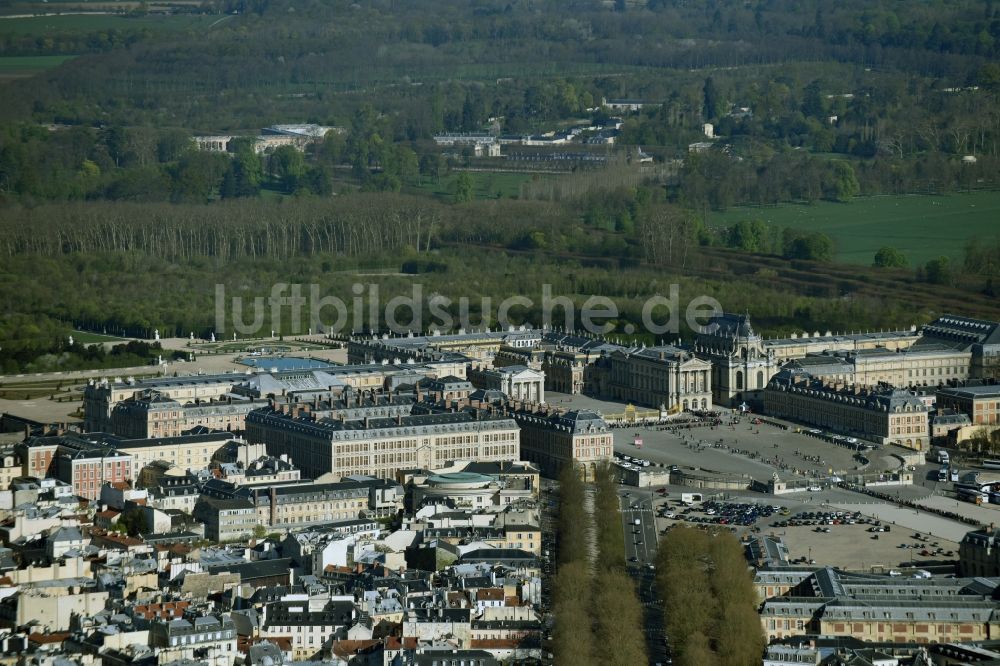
[86, 337]
[27, 65]
[922, 227]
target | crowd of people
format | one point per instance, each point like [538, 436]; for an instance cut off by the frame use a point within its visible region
[895, 499]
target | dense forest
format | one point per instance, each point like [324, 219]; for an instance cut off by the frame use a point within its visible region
[893, 96]
[104, 194]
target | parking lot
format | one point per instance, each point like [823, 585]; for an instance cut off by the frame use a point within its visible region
[856, 546]
[757, 451]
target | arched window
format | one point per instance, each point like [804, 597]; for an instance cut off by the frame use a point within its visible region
[739, 380]
[760, 379]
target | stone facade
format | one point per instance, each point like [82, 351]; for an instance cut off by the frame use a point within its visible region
[381, 447]
[979, 553]
[659, 376]
[740, 361]
[100, 398]
[297, 505]
[979, 337]
[883, 414]
[154, 415]
[517, 382]
[980, 403]
[553, 440]
[882, 608]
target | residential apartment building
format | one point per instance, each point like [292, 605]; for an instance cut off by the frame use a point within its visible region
[208, 638]
[520, 537]
[11, 466]
[882, 414]
[300, 504]
[87, 470]
[309, 629]
[381, 447]
[226, 519]
[553, 439]
[83, 464]
[76, 456]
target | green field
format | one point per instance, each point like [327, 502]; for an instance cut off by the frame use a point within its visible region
[85, 23]
[86, 337]
[922, 227]
[26, 65]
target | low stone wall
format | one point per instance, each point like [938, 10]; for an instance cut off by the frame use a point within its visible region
[718, 482]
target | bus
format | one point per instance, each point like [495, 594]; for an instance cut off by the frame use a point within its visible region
[977, 487]
[974, 496]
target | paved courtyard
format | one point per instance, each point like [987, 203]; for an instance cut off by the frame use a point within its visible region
[911, 519]
[743, 448]
[854, 547]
